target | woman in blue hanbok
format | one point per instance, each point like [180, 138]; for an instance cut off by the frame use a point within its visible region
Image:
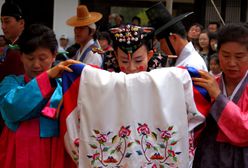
[28, 105]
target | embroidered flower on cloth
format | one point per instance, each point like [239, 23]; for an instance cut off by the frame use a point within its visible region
[156, 147]
[143, 129]
[124, 132]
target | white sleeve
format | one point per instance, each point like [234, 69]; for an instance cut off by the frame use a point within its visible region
[93, 59]
[71, 138]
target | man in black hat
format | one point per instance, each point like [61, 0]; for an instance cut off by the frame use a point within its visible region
[12, 26]
[12, 21]
[173, 37]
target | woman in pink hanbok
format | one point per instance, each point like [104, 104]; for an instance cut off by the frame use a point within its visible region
[224, 142]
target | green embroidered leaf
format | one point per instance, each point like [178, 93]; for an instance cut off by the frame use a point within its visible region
[129, 144]
[161, 166]
[128, 155]
[97, 132]
[93, 136]
[112, 151]
[173, 142]
[139, 152]
[92, 162]
[105, 149]
[161, 145]
[114, 139]
[155, 148]
[166, 139]
[154, 135]
[93, 146]
[175, 159]
[170, 128]
[173, 132]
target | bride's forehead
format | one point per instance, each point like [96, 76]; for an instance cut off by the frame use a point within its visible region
[140, 52]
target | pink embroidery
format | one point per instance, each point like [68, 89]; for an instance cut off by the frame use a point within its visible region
[76, 142]
[102, 138]
[165, 134]
[191, 146]
[124, 132]
[75, 153]
[157, 150]
[143, 129]
[102, 149]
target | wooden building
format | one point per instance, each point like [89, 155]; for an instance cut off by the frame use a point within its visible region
[41, 11]
[204, 11]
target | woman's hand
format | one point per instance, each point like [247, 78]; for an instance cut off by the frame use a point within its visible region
[208, 82]
[56, 71]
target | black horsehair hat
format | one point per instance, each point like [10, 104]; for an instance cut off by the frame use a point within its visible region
[163, 22]
[11, 9]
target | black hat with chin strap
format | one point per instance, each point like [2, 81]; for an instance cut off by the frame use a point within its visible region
[11, 9]
[163, 22]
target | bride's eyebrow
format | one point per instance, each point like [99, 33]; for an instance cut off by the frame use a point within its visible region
[124, 57]
[138, 57]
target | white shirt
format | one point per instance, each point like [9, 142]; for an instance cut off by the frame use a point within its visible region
[190, 57]
[91, 58]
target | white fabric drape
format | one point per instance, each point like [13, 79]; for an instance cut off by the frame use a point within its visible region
[137, 120]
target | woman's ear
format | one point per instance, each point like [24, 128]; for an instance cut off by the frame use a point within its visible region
[150, 54]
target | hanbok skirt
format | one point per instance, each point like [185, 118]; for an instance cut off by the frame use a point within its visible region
[25, 148]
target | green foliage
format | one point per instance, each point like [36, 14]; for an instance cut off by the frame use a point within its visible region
[129, 12]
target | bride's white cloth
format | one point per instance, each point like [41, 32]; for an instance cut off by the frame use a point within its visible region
[138, 120]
